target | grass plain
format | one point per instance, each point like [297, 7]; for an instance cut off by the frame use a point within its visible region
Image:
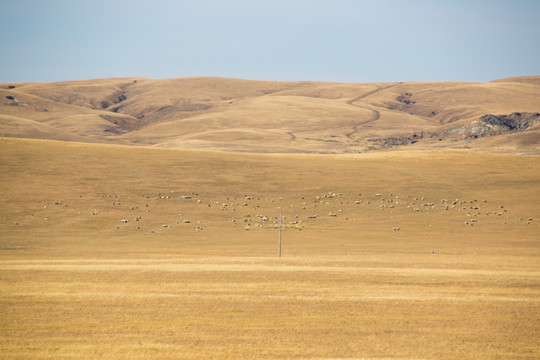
[460, 279]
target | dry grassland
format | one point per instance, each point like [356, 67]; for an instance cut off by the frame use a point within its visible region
[460, 279]
[235, 115]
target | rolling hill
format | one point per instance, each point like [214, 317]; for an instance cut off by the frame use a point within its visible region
[278, 117]
[140, 219]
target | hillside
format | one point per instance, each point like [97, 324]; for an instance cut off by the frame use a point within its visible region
[278, 117]
[118, 252]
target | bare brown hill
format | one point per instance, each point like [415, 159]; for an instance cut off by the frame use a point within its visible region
[278, 117]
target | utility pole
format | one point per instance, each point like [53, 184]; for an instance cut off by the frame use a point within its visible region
[279, 250]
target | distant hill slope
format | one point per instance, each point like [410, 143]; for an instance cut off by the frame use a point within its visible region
[278, 117]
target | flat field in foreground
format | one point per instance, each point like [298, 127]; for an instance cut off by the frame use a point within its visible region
[129, 253]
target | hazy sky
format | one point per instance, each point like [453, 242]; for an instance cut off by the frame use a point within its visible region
[332, 40]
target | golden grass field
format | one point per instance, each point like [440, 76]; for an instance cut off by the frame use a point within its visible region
[460, 279]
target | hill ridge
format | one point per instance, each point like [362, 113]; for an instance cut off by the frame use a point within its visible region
[259, 116]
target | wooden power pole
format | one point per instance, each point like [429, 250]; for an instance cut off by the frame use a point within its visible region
[279, 248]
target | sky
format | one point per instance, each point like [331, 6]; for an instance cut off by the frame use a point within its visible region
[352, 41]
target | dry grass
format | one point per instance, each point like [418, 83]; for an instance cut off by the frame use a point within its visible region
[238, 307]
[263, 116]
[77, 285]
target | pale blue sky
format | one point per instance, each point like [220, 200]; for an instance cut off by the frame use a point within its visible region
[334, 40]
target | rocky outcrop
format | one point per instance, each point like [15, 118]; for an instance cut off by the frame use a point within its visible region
[487, 125]
[491, 125]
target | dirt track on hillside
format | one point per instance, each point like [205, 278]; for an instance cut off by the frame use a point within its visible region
[376, 114]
